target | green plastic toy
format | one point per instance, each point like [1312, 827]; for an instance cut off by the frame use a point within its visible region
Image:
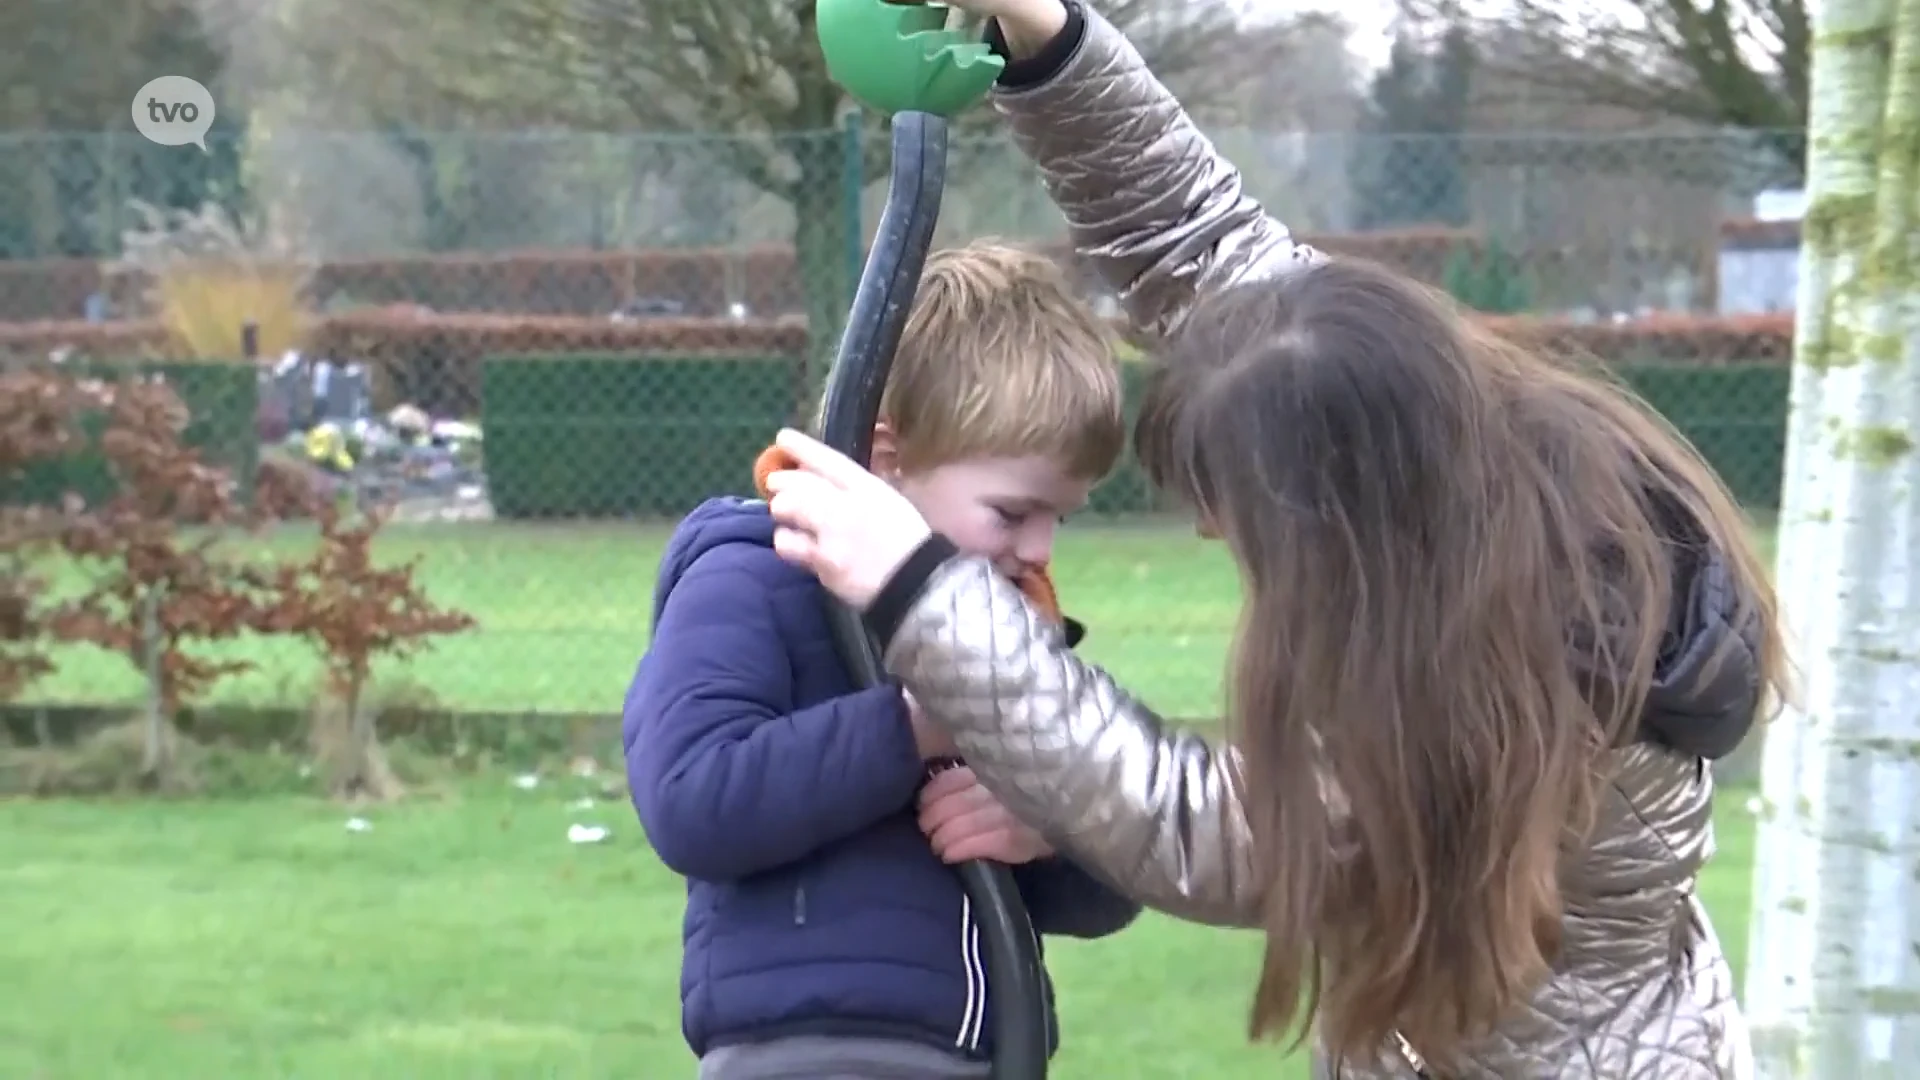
[899, 57]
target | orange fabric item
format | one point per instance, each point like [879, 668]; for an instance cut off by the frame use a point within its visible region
[1036, 584]
[771, 460]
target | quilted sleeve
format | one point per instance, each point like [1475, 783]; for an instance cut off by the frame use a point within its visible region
[1149, 202]
[1154, 813]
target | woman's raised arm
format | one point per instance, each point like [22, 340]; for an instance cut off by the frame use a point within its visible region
[1150, 203]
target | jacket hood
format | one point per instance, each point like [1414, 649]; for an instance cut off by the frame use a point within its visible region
[1709, 663]
[714, 523]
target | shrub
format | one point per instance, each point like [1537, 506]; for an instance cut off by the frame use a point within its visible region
[1490, 280]
[208, 277]
[352, 611]
[39, 422]
[154, 592]
[112, 761]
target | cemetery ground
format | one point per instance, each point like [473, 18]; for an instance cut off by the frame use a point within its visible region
[564, 611]
[462, 938]
[459, 934]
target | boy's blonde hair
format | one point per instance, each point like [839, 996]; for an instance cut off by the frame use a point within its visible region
[999, 358]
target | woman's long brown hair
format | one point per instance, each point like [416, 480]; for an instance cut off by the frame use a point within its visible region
[1458, 556]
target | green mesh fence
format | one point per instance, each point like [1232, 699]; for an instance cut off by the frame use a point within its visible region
[221, 399]
[599, 437]
[538, 340]
[541, 349]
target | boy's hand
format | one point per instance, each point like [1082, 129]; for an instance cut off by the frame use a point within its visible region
[964, 822]
[931, 740]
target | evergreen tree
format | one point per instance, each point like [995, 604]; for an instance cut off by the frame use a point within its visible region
[69, 159]
[1408, 166]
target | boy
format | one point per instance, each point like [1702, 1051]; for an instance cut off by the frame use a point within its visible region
[824, 937]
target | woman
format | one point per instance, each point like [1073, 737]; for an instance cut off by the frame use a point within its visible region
[1497, 621]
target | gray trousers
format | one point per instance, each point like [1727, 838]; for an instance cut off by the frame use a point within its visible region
[821, 1058]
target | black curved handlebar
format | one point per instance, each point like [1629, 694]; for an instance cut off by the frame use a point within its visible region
[1017, 987]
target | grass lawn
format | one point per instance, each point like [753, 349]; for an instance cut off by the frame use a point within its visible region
[466, 938]
[564, 610]
[563, 615]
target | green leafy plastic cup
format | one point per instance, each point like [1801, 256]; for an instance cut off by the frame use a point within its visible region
[899, 58]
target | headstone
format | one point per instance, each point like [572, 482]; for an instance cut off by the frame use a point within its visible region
[342, 393]
[284, 397]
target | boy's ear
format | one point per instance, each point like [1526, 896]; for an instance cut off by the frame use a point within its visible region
[886, 453]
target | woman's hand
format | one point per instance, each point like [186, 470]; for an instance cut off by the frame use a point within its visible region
[1027, 25]
[964, 822]
[840, 521]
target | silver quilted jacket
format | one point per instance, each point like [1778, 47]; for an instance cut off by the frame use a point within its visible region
[1641, 990]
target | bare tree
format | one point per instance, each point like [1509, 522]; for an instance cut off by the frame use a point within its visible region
[73, 66]
[1833, 970]
[1289, 119]
[1729, 63]
[1296, 74]
[70, 70]
[749, 73]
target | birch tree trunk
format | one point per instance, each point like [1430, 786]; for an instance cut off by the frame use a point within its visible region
[1833, 982]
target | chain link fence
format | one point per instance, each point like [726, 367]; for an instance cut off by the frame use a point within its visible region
[543, 348]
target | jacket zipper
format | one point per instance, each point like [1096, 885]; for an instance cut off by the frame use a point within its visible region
[1411, 1057]
[1053, 1036]
[973, 1015]
[800, 905]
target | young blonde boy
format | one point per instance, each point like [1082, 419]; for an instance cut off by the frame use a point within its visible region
[824, 934]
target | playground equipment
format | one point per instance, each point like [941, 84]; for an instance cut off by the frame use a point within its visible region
[901, 60]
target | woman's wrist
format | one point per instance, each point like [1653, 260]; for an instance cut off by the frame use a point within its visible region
[1031, 26]
[1025, 72]
[895, 599]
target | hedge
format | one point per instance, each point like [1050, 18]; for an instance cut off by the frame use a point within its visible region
[434, 360]
[604, 436]
[437, 361]
[748, 373]
[221, 400]
[1736, 416]
[704, 280]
